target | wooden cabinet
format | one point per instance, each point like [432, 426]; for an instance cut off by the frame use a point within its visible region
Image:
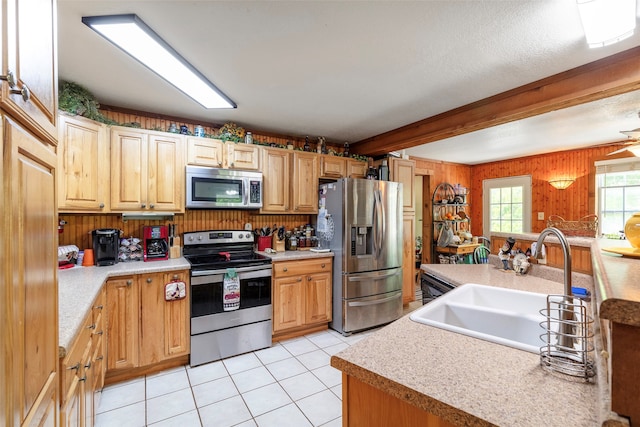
[276, 180]
[304, 194]
[144, 330]
[147, 171]
[402, 170]
[30, 54]
[83, 166]
[301, 296]
[81, 370]
[218, 154]
[29, 265]
[408, 254]
[333, 167]
[356, 168]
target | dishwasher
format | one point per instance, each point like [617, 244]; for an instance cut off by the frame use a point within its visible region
[433, 286]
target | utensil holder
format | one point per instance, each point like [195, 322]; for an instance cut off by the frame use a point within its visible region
[277, 244]
[264, 242]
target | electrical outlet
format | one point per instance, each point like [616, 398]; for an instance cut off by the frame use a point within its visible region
[540, 216]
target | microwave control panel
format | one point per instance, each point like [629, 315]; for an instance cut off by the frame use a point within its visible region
[254, 192]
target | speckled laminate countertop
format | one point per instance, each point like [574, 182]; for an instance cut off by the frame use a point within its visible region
[617, 284]
[573, 241]
[468, 381]
[296, 255]
[79, 286]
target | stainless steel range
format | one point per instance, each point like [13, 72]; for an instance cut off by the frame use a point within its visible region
[216, 332]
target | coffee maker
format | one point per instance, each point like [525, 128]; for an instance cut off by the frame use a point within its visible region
[155, 243]
[105, 246]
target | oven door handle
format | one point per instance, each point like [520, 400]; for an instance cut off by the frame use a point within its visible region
[218, 276]
[266, 271]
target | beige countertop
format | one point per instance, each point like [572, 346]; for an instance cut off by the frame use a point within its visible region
[469, 381]
[79, 286]
[295, 255]
[617, 283]
[573, 241]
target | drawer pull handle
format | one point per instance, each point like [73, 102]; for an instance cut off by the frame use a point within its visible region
[285, 269]
[93, 326]
[99, 358]
[83, 378]
[100, 333]
[88, 365]
[99, 307]
[74, 367]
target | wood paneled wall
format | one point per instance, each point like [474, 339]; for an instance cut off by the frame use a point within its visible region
[573, 203]
[77, 231]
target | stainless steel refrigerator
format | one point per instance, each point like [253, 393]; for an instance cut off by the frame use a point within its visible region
[360, 220]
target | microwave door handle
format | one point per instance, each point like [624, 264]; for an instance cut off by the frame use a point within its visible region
[245, 192]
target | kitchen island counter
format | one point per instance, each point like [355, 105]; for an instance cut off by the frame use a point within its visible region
[468, 381]
[79, 286]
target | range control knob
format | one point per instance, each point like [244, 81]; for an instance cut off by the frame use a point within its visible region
[199, 237]
[240, 236]
[247, 235]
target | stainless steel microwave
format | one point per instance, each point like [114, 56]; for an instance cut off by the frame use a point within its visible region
[213, 188]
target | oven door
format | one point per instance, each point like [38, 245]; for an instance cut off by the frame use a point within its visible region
[207, 312]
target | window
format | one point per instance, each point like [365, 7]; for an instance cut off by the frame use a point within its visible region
[506, 205]
[618, 183]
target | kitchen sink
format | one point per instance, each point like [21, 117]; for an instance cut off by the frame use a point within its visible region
[503, 316]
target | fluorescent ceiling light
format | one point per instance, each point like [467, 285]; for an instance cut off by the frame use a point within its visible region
[130, 34]
[607, 21]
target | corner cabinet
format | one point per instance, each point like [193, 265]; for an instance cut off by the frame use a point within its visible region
[302, 296]
[83, 165]
[147, 171]
[145, 333]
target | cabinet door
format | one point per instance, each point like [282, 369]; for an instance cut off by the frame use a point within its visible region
[276, 180]
[129, 153]
[30, 55]
[408, 257]
[288, 303]
[83, 177]
[332, 167]
[356, 168]
[164, 329]
[305, 183]
[71, 412]
[204, 152]
[166, 173]
[403, 171]
[242, 156]
[318, 298]
[122, 323]
[30, 241]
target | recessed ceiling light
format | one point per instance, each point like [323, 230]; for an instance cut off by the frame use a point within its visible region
[133, 36]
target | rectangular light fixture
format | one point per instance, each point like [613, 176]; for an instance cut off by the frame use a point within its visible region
[607, 21]
[133, 36]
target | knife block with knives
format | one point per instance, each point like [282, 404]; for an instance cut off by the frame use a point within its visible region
[174, 243]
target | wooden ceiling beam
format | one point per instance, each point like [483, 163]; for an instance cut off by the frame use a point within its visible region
[610, 76]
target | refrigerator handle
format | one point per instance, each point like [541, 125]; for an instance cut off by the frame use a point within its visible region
[378, 221]
[374, 278]
[374, 302]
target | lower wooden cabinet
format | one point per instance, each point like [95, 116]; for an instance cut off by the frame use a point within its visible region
[82, 371]
[301, 296]
[145, 333]
[408, 257]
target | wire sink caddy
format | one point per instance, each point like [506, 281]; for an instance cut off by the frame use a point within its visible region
[568, 338]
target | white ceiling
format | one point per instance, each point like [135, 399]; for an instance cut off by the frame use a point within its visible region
[348, 70]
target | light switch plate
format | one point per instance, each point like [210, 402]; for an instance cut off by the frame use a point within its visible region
[540, 216]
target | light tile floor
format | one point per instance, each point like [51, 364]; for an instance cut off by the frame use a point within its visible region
[288, 384]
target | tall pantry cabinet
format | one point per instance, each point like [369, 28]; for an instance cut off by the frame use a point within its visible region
[28, 239]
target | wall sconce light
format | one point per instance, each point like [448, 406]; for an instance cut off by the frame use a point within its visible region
[606, 22]
[561, 184]
[132, 35]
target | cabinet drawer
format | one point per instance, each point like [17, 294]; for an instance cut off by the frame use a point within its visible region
[71, 363]
[296, 268]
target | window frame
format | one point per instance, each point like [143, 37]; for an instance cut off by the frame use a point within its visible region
[626, 164]
[524, 181]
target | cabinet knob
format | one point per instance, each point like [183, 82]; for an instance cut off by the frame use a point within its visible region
[100, 333]
[152, 206]
[299, 279]
[231, 165]
[101, 205]
[175, 277]
[88, 365]
[129, 282]
[24, 92]
[285, 269]
[74, 367]
[322, 265]
[308, 278]
[144, 205]
[83, 378]
[93, 326]
[99, 307]
[219, 164]
[9, 78]
[149, 280]
[99, 358]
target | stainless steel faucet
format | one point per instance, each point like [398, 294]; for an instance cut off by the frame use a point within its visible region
[567, 330]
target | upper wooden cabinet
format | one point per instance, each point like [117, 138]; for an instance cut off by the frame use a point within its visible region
[402, 170]
[83, 165]
[147, 171]
[305, 183]
[356, 168]
[332, 166]
[30, 54]
[276, 180]
[219, 154]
